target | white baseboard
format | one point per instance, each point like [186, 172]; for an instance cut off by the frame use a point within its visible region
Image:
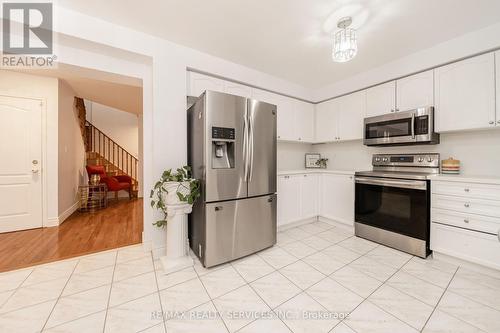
[340, 224]
[57, 221]
[291, 225]
[348, 226]
[52, 222]
[466, 264]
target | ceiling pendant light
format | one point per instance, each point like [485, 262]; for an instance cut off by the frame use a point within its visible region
[345, 46]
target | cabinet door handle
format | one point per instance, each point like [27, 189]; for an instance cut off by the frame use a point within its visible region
[466, 220]
[467, 205]
[492, 122]
[498, 235]
[466, 190]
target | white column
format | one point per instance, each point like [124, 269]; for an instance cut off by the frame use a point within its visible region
[177, 257]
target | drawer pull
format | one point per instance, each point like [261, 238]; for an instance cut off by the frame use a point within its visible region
[466, 205]
[466, 220]
[466, 190]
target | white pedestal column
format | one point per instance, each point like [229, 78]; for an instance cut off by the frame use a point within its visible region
[177, 257]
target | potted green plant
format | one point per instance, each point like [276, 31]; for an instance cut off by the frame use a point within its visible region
[174, 188]
[322, 163]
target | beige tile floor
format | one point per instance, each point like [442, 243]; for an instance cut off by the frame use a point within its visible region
[318, 278]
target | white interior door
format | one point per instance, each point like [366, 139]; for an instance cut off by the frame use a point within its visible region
[20, 169]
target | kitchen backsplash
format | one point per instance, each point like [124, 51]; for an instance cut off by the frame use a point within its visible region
[478, 151]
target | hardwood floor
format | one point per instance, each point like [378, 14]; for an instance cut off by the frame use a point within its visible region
[82, 233]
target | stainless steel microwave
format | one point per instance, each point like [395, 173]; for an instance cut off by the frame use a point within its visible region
[401, 128]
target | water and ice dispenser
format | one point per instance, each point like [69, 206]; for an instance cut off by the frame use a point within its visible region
[223, 140]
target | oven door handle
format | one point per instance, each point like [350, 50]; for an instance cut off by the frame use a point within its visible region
[410, 184]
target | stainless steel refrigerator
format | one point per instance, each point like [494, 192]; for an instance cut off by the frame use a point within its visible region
[232, 150]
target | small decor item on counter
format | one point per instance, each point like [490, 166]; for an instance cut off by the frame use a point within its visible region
[95, 179]
[322, 163]
[450, 166]
[311, 161]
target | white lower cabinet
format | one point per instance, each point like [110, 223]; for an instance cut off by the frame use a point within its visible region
[336, 198]
[477, 247]
[297, 198]
[288, 199]
[308, 196]
[466, 221]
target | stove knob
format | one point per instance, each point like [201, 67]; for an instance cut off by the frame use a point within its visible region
[385, 159]
[420, 159]
[377, 159]
[430, 159]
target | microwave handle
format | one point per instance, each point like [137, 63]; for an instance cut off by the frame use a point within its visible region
[413, 126]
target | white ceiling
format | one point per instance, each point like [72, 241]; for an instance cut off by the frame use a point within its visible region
[291, 39]
[120, 92]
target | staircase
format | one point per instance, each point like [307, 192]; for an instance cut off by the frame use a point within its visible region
[102, 150]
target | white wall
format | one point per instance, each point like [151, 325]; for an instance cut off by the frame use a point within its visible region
[44, 88]
[478, 151]
[291, 156]
[71, 170]
[121, 126]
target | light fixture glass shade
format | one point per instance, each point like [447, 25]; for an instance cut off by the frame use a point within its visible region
[345, 46]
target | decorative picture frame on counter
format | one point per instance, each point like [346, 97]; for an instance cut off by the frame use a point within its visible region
[311, 161]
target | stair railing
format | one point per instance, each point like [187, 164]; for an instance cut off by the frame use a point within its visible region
[98, 142]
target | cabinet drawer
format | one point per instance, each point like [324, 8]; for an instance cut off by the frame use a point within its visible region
[468, 221]
[467, 205]
[469, 190]
[477, 247]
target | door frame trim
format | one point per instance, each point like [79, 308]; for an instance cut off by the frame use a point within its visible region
[43, 141]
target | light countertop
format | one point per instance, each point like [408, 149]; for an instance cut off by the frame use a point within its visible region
[451, 178]
[309, 171]
[467, 178]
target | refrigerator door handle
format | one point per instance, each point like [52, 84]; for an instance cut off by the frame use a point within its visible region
[250, 143]
[245, 143]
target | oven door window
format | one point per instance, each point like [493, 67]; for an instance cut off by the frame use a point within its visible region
[387, 129]
[401, 210]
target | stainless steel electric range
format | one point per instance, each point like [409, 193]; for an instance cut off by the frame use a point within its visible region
[392, 205]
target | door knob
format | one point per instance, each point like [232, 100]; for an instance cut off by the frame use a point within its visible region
[34, 166]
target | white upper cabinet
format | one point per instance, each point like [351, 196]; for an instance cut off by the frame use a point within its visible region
[286, 119]
[199, 83]
[237, 89]
[381, 99]
[304, 121]
[352, 111]
[265, 96]
[326, 121]
[415, 91]
[465, 94]
[295, 118]
[497, 80]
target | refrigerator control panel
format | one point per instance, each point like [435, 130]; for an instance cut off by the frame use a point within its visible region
[222, 133]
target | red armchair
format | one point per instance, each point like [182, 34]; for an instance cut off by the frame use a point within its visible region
[114, 183]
